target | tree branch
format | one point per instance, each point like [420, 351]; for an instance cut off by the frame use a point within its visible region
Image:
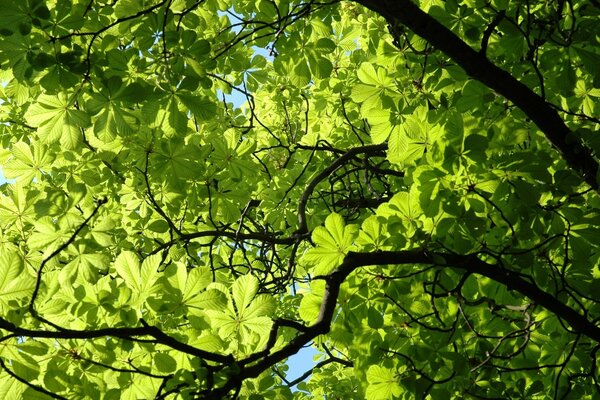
[369, 149]
[470, 262]
[476, 65]
[122, 333]
[26, 382]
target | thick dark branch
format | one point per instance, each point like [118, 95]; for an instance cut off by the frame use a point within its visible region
[320, 327]
[362, 203]
[471, 263]
[480, 68]
[122, 333]
[271, 238]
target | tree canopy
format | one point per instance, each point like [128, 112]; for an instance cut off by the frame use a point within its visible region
[409, 187]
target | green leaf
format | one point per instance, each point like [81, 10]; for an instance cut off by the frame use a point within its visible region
[383, 384]
[332, 242]
[47, 235]
[368, 75]
[165, 363]
[373, 234]
[247, 316]
[13, 284]
[361, 93]
[210, 299]
[310, 305]
[201, 107]
[300, 74]
[195, 282]
[153, 156]
[127, 265]
[57, 120]
[325, 45]
[149, 274]
[10, 388]
[27, 162]
[244, 289]
[374, 318]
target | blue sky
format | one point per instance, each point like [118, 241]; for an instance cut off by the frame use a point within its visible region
[300, 363]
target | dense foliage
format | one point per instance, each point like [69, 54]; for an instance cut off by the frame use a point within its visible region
[409, 187]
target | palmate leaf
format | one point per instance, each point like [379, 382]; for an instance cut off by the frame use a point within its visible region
[149, 273]
[224, 322]
[206, 341]
[410, 140]
[192, 289]
[112, 119]
[57, 120]
[85, 266]
[14, 284]
[362, 93]
[381, 124]
[467, 181]
[373, 234]
[260, 326]
[298, 72]
[407, 205]
[18, 206]
[332, 241]
[247, 313]
[27, 161]
[383, 384]
[178, 159]
[210, 299]
[10, 267]
[127, 266]
[142, 387]
[47, 235]
[261, 307]
[139, 278]
[111, 122]
[250, 307]
[374, 84]
[244, 289]
[320, 67]
[200, 106]
[196, 282]
[374, 77]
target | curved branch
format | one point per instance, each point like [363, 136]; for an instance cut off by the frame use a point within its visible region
[470, 262]
[476, 65]
[26, 382]
[122, 333]
[369, 149]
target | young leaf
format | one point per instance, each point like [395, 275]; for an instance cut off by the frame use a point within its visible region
[383, 384]
[332, 242]
[127, 265]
